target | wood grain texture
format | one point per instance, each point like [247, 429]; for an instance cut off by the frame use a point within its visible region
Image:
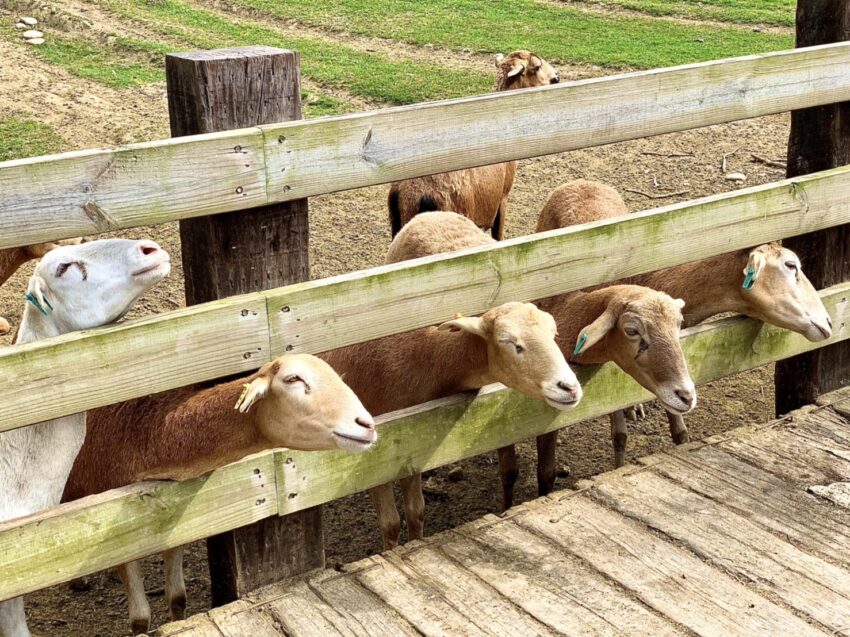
[84, 193]
[730, 542]
[115, 527]
[819, 140]
[662, 575]
[321, 315]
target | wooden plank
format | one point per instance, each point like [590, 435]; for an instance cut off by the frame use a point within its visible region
[352, 307]
[368, 616]
[316, 316]
[472, 596]
[660, 574]
[837, 493]
[197, 626]
[819, 139]
[794, 458]
[732, 543]
[87, 535]
[331, 154]
[302, 613]
[761, 497]
[94, 191]
[421, 603]
[243, 618]
[80, 371]
[550, 585]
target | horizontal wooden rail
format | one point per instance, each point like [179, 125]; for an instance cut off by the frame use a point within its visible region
[82, 371]
[98, 532]
[94, 191]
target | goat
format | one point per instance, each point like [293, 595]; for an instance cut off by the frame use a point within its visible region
[634, 326]
[295, 401]
[73, 288]
[13, 258]
[723, 283]
[478, 193]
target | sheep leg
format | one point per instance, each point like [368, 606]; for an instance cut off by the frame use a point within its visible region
[388, 519]
[497, 230]
[508, 472]
[547, 444]
[619, 436]
[13, 620]
[678, 428]
[175, 587]
[414, 506]
[134, 586]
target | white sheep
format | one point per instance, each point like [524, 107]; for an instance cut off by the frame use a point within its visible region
[295, 401]
[72, 288]
[479, 193]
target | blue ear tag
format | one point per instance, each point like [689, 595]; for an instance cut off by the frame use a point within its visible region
[750, 279]
[31, 298]
[581, 341]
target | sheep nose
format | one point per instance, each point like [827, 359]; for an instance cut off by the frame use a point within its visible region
[686, 396]
[571, 388]
[363, 422]
[148, 248]
[555, 80]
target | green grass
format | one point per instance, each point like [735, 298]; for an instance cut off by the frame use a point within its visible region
[774, 12]
[560, 33]
[27, 138]
[368, 75]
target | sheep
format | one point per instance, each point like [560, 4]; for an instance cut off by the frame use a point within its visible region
[13, 258]
[479, 193]
[295, 401]
[73, 288]
[513, 343]
[645, 343]
[765, 283]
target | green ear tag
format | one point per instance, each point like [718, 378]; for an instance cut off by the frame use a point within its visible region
[750, 279]
[581, 341]
[31, 298]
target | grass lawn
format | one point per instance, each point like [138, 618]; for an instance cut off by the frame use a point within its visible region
[775, 12]
[26, 138]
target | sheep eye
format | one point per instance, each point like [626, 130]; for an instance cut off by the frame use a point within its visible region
[791, 265]
[519, 348]
[294, 378]
[630, 331]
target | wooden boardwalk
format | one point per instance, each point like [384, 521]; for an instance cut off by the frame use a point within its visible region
[746, 533]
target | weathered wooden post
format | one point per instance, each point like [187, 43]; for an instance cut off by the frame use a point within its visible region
[240, 252]
[820, 139]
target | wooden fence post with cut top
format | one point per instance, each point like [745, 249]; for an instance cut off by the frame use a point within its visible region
[241, 252]
[819, 140]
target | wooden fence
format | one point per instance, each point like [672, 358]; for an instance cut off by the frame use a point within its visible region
[92, 191]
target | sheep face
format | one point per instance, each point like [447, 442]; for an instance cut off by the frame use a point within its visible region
[90, 284]
[522, 353]
[775, 290]
[523, 69]
[304, 404]
[639, 330]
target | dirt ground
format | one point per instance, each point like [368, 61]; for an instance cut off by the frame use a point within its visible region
[349, 231]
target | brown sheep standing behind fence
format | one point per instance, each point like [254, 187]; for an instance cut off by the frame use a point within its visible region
[478, 193]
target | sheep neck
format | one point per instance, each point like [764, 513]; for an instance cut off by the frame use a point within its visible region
[36, 326]
[708, 287]
[407, 369]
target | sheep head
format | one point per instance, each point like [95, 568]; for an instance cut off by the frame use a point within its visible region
[775, 290]
[302, 403]
[639, 330]
[523, 69]
[522, 353]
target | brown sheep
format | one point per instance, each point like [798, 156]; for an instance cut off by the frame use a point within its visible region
[478, 193]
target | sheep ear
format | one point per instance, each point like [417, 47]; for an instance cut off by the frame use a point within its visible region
[595, 332]
[518, 69]
[471, 324]
[36, 295]
[252, 392]
[498, 59]
[755, 265]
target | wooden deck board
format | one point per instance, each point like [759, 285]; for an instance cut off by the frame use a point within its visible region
[719, 538]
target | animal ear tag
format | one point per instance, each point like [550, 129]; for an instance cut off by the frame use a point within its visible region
[749, 279]
[580, 344]
[37, 297]
[754, 267]
[251, 393]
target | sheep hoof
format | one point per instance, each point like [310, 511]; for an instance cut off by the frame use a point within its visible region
[140, 626]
